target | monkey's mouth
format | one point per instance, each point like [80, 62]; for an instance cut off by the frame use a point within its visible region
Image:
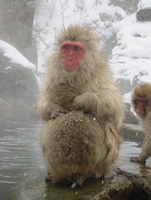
[140, 112]
[70, 68]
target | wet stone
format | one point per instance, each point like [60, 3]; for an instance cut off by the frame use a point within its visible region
[119, 187]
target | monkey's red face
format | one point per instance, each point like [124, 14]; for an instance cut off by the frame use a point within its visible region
[140, 102]
[71, 52]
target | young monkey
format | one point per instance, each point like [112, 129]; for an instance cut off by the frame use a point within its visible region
[141, 103]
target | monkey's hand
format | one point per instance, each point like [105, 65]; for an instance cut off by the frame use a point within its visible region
[54, 110]
[84, 102]
[137, 159]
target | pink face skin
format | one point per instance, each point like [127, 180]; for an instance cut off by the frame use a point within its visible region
[141, 102]
[71, 52]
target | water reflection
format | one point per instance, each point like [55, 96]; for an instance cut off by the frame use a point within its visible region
[19, 151]
[22, 168]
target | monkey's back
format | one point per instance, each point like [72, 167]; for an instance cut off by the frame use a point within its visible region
[73, 145]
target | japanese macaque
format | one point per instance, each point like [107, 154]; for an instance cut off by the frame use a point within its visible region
[76, 61]
[141, 103]
[34, 113]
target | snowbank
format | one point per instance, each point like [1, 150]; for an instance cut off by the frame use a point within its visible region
[15, 56]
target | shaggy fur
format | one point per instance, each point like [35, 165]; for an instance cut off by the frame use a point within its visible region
[99, 95]
[93, 80]
[75, 146]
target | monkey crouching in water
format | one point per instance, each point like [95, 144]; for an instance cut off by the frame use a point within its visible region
[76, 61]
[141, 103]
[74, 145]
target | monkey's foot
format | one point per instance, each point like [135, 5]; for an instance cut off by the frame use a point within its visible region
[137, 159]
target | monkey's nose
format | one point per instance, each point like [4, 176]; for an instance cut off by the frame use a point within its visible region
[70, 58]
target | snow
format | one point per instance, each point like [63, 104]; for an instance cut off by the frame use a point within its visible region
[144, 4]
[131, 57]
[127, 97]
[15, 56]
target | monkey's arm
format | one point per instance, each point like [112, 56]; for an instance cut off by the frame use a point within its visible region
[104, 105]
[49, 110]
[145, 152]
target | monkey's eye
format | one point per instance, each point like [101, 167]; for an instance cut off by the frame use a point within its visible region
[66, 47]
[77, 48]
[140, 101]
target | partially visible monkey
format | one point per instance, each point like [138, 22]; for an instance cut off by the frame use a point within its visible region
[141, 103]
[4, 106]
[77, 62]
[34, 110]
[74, 145]
[34, 113]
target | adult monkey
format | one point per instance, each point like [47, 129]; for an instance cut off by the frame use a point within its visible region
[141, 103]
[76, 61]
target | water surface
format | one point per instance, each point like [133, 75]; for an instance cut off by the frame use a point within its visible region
[22, 168]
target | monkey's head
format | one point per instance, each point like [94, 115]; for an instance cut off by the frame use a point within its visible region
[75, 43]
[63, 95]
[141, 99]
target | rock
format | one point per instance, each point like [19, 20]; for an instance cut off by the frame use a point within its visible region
[119, 187]
[141, 185]
[126, 85]
[144, 15]
[16, 22]
[128, 6]
[17, 82]
[130, 118]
